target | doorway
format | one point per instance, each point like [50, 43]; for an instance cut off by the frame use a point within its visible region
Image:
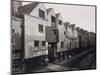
[52, 50]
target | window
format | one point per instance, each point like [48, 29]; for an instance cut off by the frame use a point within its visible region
[40, 28]
[41, 13]
[70, 44]
[13, 36]
[62, 44]
[53, 19]
[36, 43]
[54, 31]
[64, 32]
[43, 43]
[60, 22]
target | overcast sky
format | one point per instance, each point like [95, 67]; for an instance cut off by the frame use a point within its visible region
[82, 16]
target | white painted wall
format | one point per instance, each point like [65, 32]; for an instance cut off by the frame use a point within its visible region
[51, 13]
[32, 33]
[61, 29]
[69, 32]
[76, 41]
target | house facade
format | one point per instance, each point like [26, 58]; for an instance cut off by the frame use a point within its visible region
[68, 35]
[16, 43]
[60, 25]
[76, 39]
[35, 45]
[62, 44]
[52, 34]
[35, 23]
[72, 37]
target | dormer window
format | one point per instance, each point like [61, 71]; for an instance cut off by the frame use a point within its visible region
[41, 14]
[64, 32]
[60, 22]
[53, 19]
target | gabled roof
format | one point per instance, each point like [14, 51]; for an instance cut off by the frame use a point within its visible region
[66, 24]
[48, 10]
[27, 8]
[78, 28]
[57, 15]
[72, 26]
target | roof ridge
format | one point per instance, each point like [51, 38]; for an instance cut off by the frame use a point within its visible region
[27, 8]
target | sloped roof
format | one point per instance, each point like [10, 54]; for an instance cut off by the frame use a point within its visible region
[66, 24]
[57, 15]
[48, 10]
[27, 8]
[78, 28]
[72, 25]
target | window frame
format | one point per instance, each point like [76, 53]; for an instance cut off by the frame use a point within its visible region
[39, 27]
[43, 45]
[62, 44]
[60, 22]
[40, 13]
[35, 43]
[53, 19]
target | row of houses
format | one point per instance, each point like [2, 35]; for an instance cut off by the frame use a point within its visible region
[40, 34]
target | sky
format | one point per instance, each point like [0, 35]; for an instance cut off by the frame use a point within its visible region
[81, 16]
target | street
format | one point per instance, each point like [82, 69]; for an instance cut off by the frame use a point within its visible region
[85, 60]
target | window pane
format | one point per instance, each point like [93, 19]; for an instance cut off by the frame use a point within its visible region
[64, 32]
[36, 43]
[43, 43]
[40, 28]
[41, 13]
[53, 19]
[62, 44]
[60, 22]
[54, 31]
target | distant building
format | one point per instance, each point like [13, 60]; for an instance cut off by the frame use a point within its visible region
[60, 25]
[75, 38]
[71, 36]
[61, 45]
[67, 35]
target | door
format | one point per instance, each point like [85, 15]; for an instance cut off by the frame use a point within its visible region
[52, 49]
